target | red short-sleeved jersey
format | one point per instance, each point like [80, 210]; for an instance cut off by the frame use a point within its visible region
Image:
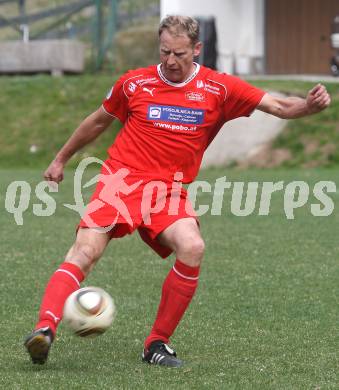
[168, 126]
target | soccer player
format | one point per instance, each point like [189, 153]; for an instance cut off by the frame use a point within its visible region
[170, 114]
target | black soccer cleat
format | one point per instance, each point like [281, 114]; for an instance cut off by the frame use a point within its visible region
[161, 354]
[38, 344]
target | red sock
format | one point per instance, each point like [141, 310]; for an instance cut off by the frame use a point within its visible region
[177, 292]
[65, 280]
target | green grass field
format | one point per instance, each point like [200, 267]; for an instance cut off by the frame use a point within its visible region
[265, 315]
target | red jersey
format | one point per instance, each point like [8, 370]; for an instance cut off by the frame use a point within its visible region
[167, 126]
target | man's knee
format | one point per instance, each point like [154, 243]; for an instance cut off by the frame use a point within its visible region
[88, 252]
[192, 250]
[87, 249]
[84, 256]
[183, 236]
[196, 246]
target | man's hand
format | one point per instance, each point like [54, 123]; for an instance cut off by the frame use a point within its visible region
[317, 99]
[55, 172]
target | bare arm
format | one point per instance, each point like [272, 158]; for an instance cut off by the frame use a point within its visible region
[88, 130]
[316, 100]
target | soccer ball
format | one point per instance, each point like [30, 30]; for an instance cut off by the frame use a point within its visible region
[89, 311]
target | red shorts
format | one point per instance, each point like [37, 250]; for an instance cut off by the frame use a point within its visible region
[126, 199]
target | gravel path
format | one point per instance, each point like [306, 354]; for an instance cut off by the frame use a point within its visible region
[241, 138]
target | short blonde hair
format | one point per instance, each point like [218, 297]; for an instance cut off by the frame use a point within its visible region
[179, 25]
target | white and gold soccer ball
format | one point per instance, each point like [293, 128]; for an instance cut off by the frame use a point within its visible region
[89, 311]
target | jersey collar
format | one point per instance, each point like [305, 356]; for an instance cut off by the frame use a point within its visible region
[163, 78]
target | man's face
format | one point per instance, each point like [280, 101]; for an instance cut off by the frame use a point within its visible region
[176, 56]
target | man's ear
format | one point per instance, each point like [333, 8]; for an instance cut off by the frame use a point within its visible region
[197, 49]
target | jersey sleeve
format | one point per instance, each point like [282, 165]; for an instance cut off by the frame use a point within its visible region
[116, 102]
[242, 98]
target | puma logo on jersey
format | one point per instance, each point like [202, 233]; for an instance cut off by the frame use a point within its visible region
[150, 91]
